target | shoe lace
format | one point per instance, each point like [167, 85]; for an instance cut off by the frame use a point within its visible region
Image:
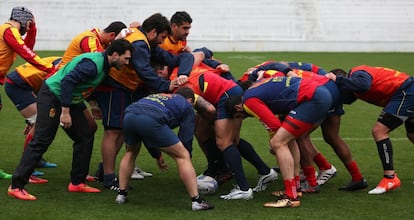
[24, 192]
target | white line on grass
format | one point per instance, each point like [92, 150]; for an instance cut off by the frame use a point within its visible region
[361, 139]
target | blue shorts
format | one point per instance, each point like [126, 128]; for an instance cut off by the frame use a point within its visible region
[315, 110]
[19, 92]
[112, 102]
[221, 112]
[337, 107]
[152, 132]
[402, 102]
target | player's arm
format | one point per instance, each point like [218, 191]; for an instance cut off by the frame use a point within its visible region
[142, 65]
[274, 66]
[258, 109]
[359, 81]
[184, 61]
[187, 127]
[30, 38]
[211, 62]
[307, 67]
[204, 108]
[84, 71]
[14, 40]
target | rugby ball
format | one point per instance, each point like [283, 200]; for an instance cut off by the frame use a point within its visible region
[206, 184]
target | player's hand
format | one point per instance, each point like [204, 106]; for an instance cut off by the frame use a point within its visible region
[260, 75]
[123, 33]
[182, 79]
[31, 23]
[96, 113]
[135, 24]
[331, 76]
[162, 164]
[52, 70]
[65, 118]
[186, 49]
[173, 85]
[95, 110]
[27, 129]
[223, 68]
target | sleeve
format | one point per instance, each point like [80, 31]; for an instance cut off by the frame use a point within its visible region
[211, 62]
[359, 81]
[30, 38]
[270, 65]
[258, 109]
[90, 44]
[187, 126]
[184, 61]
[84, 71]
[274, 66]
[14, 40]
[307, 67]
[142, 65]
[208, 54]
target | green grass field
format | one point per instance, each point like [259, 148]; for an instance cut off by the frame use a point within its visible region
[164, 197]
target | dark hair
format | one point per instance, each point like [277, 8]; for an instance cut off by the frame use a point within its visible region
[245, 84]
[339, 72]
[186, 92]
[158, 22]
[119, 46]
[115, 27]
[231, 102]
[157, 65]
[180, 17]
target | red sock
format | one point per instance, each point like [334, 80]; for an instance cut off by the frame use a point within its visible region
[290, 188]
[29, 137]
[297, 181]
[354, 171]
[321, 162]
[309, 172]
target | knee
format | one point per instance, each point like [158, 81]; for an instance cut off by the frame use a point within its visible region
[379, 132]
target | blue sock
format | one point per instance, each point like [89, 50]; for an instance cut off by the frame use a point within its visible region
[247, 152]
[232, 157]
[108, 178]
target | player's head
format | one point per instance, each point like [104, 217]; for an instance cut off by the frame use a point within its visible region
[115, 27]
[245, 84]
[234, 107]
[181, 25]
[348, 95]
[119, 53]
[109, 33]
[157, 28]
[186, 92]
[160, 69]
[23, 16]
[339, 72]
[181, 17]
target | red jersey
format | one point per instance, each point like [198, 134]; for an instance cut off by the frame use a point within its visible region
[207, 83]
[311, 75]
[385, 82]
[12, 43]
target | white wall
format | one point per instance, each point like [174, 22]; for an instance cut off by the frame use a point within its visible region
[240, 25]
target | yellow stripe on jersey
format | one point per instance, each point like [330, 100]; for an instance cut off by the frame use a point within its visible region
[17, 35]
